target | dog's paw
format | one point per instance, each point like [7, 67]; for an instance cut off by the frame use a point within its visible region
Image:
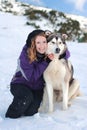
[65, 107]
[50, 110]
[69, 104]
[42, 109]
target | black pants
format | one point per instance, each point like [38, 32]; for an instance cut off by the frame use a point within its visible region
[25, 102]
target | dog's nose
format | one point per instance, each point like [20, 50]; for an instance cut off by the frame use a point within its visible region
[57, 50]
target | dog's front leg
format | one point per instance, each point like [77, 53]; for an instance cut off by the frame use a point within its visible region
[50, 97]
[43, 105]
[65, 95]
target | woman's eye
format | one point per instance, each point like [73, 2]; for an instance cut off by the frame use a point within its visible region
[44, 42]
[38, 42]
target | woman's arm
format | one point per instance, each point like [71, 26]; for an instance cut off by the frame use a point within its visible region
[31, 71]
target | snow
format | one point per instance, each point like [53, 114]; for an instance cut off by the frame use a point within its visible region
[82, 20]
[13, 34]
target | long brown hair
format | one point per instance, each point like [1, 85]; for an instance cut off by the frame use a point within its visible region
[32, 50]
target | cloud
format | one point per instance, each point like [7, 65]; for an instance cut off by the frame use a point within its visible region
[79, 4]
[38, 2]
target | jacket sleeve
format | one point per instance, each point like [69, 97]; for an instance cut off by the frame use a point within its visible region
[67, 54]
[31, 71]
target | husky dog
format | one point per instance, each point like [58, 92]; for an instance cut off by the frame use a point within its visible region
[59, 74]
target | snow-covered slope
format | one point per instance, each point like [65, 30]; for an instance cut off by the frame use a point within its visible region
[82, 20]
[73, 25]
[13, 34]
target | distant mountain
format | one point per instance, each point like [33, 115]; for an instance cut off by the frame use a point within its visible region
[44, 18]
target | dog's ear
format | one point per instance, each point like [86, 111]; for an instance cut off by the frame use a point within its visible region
[47, 32]
[64, 36]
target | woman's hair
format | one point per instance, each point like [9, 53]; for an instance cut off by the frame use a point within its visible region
[32, 50]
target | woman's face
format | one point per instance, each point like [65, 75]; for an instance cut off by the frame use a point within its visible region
[41, 44]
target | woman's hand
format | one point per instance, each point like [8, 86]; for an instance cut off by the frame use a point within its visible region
[50, 56]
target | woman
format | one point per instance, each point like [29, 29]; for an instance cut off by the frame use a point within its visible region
[27, 84]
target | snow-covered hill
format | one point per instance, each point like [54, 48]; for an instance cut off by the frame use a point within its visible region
[81, 19]
[13, 34]
[38, 17]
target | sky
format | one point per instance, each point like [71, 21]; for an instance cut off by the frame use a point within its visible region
[13, 33]
[78, 7]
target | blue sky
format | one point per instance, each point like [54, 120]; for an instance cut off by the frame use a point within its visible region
[78, 7]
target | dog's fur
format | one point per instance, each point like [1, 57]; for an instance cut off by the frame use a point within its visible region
[59, 75]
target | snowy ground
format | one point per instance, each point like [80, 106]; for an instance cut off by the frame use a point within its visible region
[13, 34]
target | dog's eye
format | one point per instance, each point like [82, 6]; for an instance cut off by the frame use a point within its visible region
[53, 42]
[60, 42]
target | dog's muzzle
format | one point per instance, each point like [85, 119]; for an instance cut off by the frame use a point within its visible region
[57, 50]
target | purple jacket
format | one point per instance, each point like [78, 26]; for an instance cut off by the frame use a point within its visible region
[31, 74]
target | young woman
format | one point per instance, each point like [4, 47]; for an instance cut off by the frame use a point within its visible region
[27, 84]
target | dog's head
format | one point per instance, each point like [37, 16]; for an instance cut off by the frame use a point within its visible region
[56, 43]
